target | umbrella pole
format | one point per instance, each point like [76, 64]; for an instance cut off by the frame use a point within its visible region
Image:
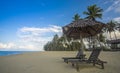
[82, 45]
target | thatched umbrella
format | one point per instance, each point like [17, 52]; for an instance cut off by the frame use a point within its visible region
[83, 28]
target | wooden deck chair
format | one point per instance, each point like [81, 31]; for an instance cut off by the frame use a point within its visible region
[79, 55]
[92, 59]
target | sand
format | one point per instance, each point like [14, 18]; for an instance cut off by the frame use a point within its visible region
[52, 62]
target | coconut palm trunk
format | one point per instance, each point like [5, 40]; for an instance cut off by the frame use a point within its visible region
[110, 35]
[115, 35]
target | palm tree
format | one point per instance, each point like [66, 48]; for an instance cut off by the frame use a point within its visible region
[111, 28]
[93, 12]
[76, 17]
[102, 39]
[55, 38]
[62, 40]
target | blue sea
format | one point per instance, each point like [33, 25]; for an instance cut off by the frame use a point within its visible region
[7, 53]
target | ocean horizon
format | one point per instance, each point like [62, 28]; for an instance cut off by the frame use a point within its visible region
[7, 53]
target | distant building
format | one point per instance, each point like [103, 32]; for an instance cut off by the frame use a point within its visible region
[114, 44]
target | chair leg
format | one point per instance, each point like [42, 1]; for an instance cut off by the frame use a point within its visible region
[93, 63]
[77, 67]
[73, 64]
[66, 61]
[102, 65]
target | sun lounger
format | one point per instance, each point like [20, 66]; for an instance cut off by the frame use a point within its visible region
[92, 59]
[79, 55]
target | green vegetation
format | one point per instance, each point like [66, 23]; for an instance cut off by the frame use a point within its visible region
[62, 44]
[111, 27]
[93, 12]
[76, 17]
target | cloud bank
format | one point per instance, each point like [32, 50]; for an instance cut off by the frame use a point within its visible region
[32, 38]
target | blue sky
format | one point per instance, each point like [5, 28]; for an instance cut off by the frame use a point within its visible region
[29, 24]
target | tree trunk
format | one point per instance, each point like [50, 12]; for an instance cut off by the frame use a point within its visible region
[115, 35]
[110, 35]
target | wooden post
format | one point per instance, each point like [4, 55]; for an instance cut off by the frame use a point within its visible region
[82, 45]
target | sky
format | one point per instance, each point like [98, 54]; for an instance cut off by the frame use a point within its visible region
[27, 25]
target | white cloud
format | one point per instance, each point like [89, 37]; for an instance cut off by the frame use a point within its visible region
[8, 45]
[117, 19]
[32, 38]
[39, 31]
[38, 37]
[115, 6]
[34, 34]
[51, 28]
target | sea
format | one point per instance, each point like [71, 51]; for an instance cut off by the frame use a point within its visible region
[7, 53]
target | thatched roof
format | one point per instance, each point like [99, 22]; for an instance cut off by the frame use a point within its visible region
[83, 23]
[116, 41]
[82, 27]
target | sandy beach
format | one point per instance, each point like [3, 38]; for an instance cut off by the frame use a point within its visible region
[51, 62]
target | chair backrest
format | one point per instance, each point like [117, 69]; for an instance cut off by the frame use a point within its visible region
[94, 55]
[80, 52]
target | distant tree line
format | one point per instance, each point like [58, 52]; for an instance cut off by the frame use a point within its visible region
[62, 44]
